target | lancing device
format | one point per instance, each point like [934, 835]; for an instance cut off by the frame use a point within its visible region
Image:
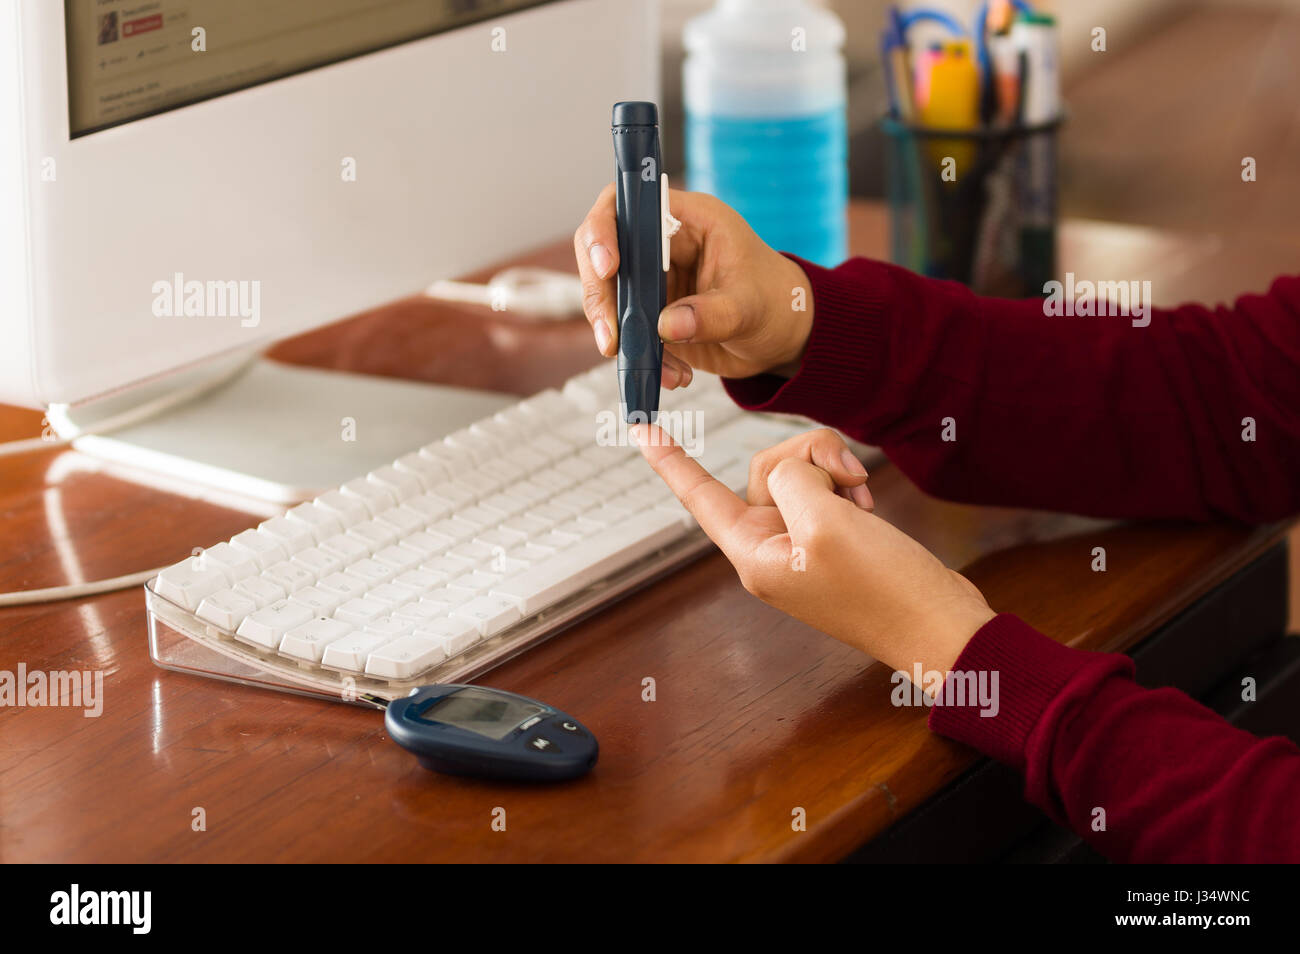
[642, 209]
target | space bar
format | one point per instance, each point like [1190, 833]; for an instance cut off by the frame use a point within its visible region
[590, 560]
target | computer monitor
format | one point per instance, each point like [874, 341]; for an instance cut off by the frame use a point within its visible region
[196, 178]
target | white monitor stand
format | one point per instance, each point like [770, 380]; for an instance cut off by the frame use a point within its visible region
[279, 433]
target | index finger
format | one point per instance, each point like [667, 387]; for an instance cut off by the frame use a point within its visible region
[595, 247]
[715, 508]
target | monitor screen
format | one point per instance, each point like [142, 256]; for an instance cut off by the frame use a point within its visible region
[132, 59]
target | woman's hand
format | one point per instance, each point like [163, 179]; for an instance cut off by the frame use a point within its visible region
[802, 547]
[734, 308]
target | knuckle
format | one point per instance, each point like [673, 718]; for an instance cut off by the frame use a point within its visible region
[592, 295]
[756, 584]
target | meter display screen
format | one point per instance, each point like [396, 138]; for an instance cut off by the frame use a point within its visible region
[481, 712]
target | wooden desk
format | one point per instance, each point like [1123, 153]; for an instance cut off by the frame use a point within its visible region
[756, 714]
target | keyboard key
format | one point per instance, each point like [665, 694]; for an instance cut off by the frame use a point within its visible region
[426, 470]
[389, 626]
[288, 576]
[447, 564]
[358, 612]
[347, 509]
[607, 516]
[226, 609]
[400, 557]
[455, 636]
[350, 549]
[309, 640]
[531, 553]
[553, 540]
[478, 447]
[322, 602]
[235, 563]
[531, 493]
[344, 585]
[375, 534]
[589, 560]
[500, 537]
[350, 651]
[267, 626]
[550, 447]
[431, 507]
[450, 597]
[459, 530]
[402, 486]
[405, 519]
[474, 552]
[451, 459]
[552, 480]
[321, 522]
[319, 562]
[260, 591]
[405, 657]
[293, 535]
[420, 581]
[375, 498]
[481, 516]
[188, 582]
[371, 571]
[578, 500]
[576, 468]
[391, 595]
[478, 582]
[423, 610]
[538, 519]
[428, 544]
[263, 548]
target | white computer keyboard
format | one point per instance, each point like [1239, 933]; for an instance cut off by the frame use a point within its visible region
[458, 555]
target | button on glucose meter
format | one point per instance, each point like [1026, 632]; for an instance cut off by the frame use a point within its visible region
[489, 733]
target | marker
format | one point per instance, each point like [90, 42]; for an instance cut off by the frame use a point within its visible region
[953, 105]
[1040, 95]
[642, 206]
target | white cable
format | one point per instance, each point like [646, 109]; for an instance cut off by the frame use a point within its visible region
[541, 293]
[133, 415]
[73, 590]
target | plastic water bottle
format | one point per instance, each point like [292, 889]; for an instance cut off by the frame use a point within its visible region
[766, 132]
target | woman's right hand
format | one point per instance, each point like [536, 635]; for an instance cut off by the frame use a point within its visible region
[734, 305]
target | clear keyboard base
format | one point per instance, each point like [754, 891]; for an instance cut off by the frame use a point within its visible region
[180, 641]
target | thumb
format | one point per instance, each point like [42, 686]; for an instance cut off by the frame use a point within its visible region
[714, 316]
[805, 496]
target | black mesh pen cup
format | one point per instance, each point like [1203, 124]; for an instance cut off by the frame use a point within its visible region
[975, 206]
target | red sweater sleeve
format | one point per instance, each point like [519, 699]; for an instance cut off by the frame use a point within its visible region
[1175, 782]
[1087, 414]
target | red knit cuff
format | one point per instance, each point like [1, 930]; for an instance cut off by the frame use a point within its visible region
[1031, 669]
[845, 348]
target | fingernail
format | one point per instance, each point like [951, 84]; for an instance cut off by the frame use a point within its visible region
[602, 336]
[600, 259]
[862, 497]
[852, 464]
[677, 323]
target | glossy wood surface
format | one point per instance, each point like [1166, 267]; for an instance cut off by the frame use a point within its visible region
[755, 714]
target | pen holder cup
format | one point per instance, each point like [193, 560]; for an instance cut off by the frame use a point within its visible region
[975, 206]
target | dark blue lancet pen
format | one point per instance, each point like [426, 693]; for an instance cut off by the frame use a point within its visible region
[642, 209]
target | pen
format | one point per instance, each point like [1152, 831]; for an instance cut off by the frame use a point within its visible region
[642, 193]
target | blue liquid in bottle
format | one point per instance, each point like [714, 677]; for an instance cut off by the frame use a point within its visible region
[788, 177]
